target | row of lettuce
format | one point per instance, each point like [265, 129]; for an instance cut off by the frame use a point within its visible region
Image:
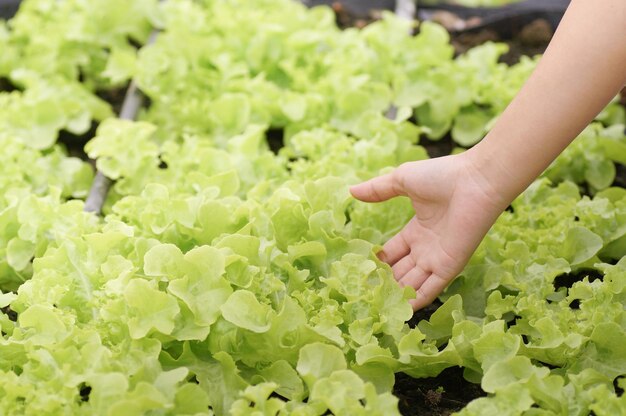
[229, 279]
[467, 3]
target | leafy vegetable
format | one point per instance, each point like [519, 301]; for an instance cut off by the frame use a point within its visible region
[232, 272]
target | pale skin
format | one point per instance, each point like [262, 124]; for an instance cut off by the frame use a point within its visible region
[458, 198]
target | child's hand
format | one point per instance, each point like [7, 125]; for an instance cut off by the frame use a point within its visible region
[457, 198]
[454, 208]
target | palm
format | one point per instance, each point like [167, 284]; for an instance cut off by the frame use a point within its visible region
[453, 213]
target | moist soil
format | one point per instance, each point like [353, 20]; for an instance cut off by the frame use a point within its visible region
[443, 395]
[530, 40]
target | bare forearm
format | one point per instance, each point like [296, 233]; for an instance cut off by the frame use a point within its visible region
[582, 70]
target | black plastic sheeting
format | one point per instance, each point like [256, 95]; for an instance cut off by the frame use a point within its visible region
[8, 8]
[503, 19]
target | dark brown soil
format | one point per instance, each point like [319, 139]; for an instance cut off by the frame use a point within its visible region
[424, 313]
[568, 279]
[443, 395]
[114, 97]
[438, 148]
[10, 313]
[275, 139]
[531, 40]
[6, 86]
[620, 176]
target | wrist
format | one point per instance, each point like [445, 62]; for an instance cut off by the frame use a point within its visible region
[493, 175]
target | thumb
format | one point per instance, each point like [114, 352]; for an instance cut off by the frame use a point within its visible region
[378, 189]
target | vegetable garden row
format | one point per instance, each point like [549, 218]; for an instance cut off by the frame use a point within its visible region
[231, 272]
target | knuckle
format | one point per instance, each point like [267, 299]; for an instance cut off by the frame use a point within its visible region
[397, 180]
[439, 277]
[375, 191]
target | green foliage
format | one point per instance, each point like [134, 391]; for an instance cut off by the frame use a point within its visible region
[33, 212]
[227, 278]
[87, 39]
[591, 157]
[473, 3]
[36, 115]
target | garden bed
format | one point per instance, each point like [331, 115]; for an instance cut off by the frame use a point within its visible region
[297, 233]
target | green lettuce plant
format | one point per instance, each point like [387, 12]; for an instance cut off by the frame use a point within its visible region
[232, 275]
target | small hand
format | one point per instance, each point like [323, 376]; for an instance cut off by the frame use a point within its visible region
[455, 205]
